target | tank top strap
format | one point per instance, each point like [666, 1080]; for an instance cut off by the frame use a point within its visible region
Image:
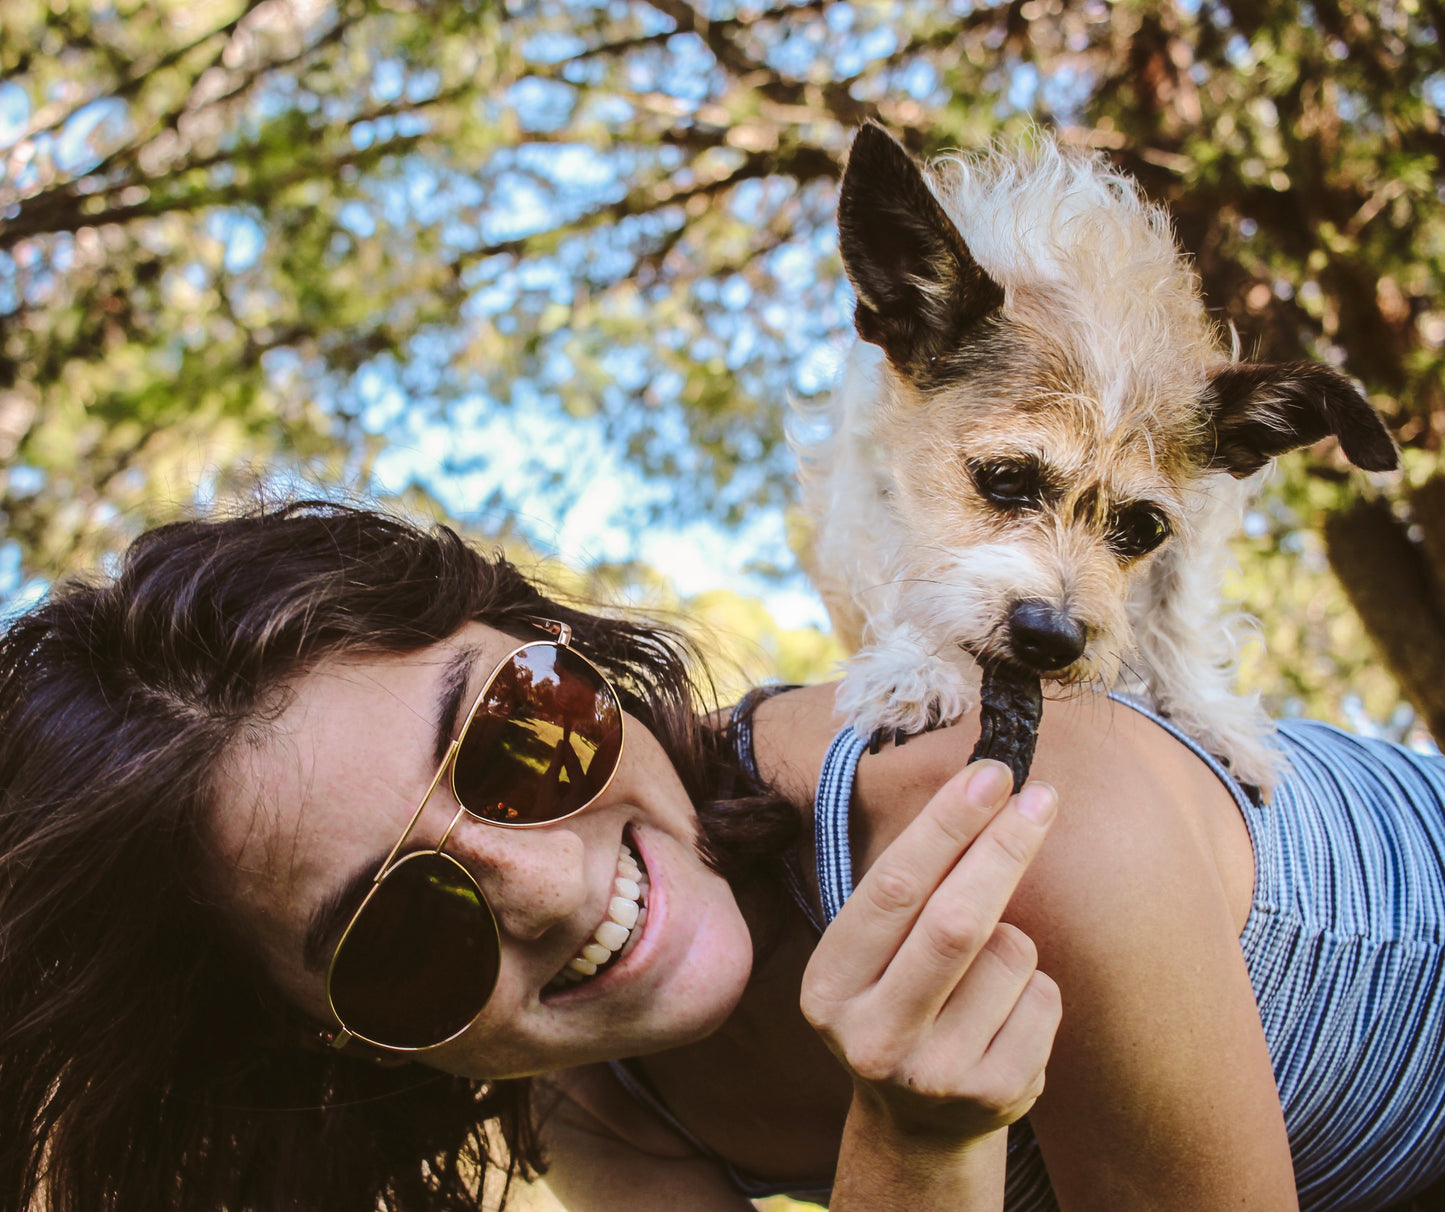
[740, 725]
[740, 730]
[830, 820]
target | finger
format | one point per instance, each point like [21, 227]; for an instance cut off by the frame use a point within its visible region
[979, 1005]
[1014, 1064]
[1000, 1085]
[963, 912]
[866, 934]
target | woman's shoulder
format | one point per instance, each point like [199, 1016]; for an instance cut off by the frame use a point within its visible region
[1086, 741]
[1129, 790]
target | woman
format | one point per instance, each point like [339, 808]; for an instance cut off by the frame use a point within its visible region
[263, 943]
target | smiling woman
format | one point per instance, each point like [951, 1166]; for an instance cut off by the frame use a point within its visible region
[339, 865]
[426, 959]
[229, 668]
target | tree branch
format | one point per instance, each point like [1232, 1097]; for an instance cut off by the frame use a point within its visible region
[132, 83]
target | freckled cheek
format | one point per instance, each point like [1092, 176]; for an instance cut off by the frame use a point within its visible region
[532, 879]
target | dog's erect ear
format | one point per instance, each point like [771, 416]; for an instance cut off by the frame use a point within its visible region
[1258, 410]
[919, 288]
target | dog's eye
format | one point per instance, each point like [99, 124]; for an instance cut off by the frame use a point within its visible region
[1137, 531]
[1007, 483]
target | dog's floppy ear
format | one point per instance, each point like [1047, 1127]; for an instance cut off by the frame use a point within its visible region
[919, 288]
[1259, 410]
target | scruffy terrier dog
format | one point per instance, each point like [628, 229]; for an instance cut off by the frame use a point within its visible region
[1040, 446]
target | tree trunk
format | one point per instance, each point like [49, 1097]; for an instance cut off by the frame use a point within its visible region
[1427, 504]
[1394, 583]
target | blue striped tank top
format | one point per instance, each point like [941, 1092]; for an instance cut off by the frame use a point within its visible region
[1343, 945]
[1344, 949]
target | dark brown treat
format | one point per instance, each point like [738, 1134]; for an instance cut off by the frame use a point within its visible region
[1010, 707]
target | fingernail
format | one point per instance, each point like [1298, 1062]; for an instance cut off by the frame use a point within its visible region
[1038, 802]
[990, 783]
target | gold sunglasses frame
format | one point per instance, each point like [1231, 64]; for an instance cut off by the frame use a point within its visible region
[561, 635]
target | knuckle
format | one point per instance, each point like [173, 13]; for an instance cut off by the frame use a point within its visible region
[1003, 1094]
[1044, 990]
[1017, 849]
[1036, 1088]
[816, 1010]
[1013, 948]
[956, 934]
[993, 1095]
[874, 1060]
[820, 1009]
[892, 891]
[959, 826]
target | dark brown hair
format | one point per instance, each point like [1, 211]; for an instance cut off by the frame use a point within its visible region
[146, 1061]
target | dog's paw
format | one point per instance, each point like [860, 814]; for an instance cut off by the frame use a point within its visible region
[905, 687]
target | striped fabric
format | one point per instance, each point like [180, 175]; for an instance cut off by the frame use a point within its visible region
[830, 820]
[1344, 946]
[1344, 949]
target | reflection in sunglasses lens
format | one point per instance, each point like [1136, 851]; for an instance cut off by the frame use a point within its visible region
[421, 959]
[544, 741]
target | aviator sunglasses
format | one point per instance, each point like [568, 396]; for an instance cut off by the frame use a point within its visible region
[420, 957]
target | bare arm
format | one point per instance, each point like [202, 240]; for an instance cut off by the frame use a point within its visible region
[1161, 1092]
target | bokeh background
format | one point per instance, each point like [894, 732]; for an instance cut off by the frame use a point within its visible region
[553, 270]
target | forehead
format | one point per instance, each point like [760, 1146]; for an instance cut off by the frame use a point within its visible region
[335, 774]
[1030, 390]
[1069, 436]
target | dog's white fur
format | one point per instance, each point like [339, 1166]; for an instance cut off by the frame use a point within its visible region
[1091, 269]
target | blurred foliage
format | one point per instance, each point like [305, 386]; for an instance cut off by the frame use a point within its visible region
[1311, 654]
[299, 235]
[740, 643]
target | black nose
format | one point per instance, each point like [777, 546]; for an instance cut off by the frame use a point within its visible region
[1044, 637]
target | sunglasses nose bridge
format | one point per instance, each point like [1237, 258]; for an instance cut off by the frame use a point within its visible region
[461, 812]
[532, 878]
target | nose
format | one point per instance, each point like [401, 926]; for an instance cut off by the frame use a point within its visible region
[1044, 637]
[532, 878]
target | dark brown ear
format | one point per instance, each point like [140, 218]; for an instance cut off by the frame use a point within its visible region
[919, 288]
[1260, 410]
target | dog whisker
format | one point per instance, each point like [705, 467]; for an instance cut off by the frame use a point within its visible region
[898, 582]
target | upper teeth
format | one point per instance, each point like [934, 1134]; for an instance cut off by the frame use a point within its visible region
[625, 912]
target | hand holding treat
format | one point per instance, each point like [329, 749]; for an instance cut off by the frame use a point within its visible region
[933, 1004]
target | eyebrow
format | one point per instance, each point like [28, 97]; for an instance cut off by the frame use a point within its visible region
[454, 681]
[330, 917]
[336, 910]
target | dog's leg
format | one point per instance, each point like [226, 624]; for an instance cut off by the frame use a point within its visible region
[902, 682]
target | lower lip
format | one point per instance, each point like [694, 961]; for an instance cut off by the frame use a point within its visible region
[638, 950]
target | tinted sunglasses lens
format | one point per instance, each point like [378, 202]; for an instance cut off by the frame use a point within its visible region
[420, 960]
[544, 741]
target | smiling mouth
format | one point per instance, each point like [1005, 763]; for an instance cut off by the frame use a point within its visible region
[626, 916]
